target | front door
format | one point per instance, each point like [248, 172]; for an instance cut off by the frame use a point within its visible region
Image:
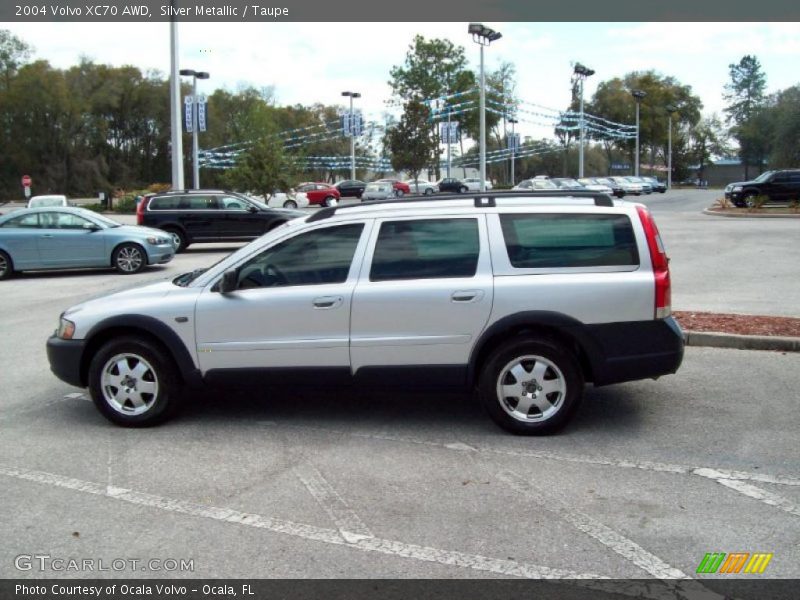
[238, 220]
[290, 316]
[66, 240]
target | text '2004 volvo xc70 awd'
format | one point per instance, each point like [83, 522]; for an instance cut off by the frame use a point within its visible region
[525, 296]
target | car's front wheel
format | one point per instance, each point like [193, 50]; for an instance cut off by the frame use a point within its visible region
[129, 258]
[329, 201]
[290, 204]
[463, 189]
[133, 382]
[531, 387]
[428, 191]
[399, 193]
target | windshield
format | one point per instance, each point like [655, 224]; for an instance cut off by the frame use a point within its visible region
[763, 177]
[98, 218]
[51, 201]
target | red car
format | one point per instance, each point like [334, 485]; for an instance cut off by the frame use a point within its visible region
[400, 187]
[320, 194]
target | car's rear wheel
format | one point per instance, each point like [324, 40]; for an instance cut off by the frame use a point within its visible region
[129, 258]
[428, 191]
[290, 204]
[178, 239]
[531, 387]
[399, 193]
[6, 266]
[133, 382]
[329, 201]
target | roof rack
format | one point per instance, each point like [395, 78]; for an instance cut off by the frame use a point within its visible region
[480, 199]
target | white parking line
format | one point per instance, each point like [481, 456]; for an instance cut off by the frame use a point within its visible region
[752, 491]
[669, 590]
[643, 465]
[347, 521]
[617, 542]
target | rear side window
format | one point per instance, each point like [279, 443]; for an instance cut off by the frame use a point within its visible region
[426, 249]
[569, 240]
[25, 222]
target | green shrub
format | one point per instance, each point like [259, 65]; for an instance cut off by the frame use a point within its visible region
[125, 205]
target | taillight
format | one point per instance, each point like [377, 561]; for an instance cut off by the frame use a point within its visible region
[140, 209]
[658, 257]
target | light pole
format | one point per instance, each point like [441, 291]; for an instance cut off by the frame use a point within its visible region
[176, 137]
[195, 75]
[637, 96]
[581, 73]
[483, 36]
[513, 122]
[670, 110]
[352, 134]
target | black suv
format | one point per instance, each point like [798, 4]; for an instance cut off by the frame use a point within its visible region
[779, 186]
[209, 216]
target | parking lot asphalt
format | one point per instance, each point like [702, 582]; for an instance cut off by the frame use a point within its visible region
[324, 483]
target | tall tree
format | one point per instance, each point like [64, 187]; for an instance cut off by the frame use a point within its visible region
[708, 138]
[409, 141]
[745, 96]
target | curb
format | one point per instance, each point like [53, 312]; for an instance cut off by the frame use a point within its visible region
[715, 213]
[741, 342]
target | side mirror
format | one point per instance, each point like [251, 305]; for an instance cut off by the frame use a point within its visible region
[229, 282]
[91, 227]
[252, 209]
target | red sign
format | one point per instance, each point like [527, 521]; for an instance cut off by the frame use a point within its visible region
[26, 181]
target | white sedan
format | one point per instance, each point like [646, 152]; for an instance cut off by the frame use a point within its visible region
[422, 186]
[290, 199]
[474, 184]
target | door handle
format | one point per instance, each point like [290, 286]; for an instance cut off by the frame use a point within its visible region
[328, 302]
[467, 296]
[47, 235]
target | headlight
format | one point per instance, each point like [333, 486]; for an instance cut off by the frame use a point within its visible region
[66, 329]
[157, 241]
[737, 188]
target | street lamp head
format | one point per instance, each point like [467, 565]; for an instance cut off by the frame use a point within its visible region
[582, 70]
[187, 72]
[638, 95]
[483, 35]
[202, 75]
[356, 95]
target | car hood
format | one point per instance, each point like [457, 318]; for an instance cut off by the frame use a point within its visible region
[150, 290]
[290, 212]
[137, 231]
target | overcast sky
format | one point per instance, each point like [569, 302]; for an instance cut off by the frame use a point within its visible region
[315, 62]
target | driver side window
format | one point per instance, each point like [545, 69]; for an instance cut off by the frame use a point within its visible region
[313, 258]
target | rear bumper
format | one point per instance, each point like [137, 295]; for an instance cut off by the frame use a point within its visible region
[65, 359]
[635, 350]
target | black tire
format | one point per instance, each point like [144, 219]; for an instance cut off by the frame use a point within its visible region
[290, 204]
[428, 191]
[162, 370]
[541, 353]
[399, 193]
[749, 200]
[6, 266]
[463, 189]
[129, 258]
[329, 200]
[180, 237]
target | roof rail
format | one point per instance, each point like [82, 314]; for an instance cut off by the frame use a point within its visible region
[480, 199]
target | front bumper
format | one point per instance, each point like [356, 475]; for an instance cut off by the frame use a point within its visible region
[65, 359]
[158, 255]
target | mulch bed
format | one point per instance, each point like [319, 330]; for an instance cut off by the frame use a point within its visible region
[738, 324]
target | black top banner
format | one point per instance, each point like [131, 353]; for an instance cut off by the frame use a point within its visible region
[395, 11]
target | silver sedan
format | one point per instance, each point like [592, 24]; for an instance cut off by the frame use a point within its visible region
[69, 238]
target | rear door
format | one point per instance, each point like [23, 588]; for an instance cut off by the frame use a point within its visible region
[19, 237]
[423, 297]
